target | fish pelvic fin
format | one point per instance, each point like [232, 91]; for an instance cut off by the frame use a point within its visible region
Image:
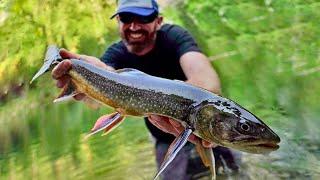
[173, 150]
[207, 158]
[52, 58]
[114, 125]
[107, 123]
[68, 92]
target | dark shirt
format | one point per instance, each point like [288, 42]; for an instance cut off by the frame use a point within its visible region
[162, 61]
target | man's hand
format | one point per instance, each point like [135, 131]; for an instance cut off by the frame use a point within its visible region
[59, 73]
[173, 127]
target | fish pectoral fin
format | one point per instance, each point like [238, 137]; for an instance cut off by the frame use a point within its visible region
[107, 123]
[207, 158]
[68, 92]
[173, 149]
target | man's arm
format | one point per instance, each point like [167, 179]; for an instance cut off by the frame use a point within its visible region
[199, 71]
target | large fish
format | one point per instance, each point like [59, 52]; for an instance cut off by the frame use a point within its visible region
[131, 92]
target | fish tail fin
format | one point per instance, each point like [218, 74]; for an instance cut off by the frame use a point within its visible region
[52, 58]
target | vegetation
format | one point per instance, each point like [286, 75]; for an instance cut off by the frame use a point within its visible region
[266, 53]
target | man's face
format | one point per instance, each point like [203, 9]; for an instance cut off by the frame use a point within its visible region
[138, 32]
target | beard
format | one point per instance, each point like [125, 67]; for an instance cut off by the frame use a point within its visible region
[137, 46]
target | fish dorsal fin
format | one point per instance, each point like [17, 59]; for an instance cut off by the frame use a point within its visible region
[131, 71]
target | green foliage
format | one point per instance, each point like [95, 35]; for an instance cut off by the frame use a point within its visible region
[266, 53]
[257, 45]
[80, 26]
[41, 140]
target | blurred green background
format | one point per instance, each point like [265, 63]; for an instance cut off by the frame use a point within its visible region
[267, 54]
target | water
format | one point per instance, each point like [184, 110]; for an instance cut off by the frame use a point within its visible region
[46, 141]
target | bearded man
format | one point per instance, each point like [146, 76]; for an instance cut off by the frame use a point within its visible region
[166, 51]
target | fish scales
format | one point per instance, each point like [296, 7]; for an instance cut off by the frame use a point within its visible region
[134, 101]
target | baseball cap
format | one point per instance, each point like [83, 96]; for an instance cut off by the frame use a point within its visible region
[139, 7]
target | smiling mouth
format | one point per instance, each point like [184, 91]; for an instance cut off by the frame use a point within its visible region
[135, 35]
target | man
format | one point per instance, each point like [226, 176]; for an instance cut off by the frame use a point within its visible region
[161, 50]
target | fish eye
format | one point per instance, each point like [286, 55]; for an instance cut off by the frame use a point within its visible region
[245, 127]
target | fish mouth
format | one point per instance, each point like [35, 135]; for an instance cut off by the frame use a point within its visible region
[261, 148]
[258, 147]
[271, 146]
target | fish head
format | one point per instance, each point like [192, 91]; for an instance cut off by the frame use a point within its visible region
[228, 124]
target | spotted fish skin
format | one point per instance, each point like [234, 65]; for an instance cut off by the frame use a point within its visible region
[218, 120]
[117, 89]
[131, 92]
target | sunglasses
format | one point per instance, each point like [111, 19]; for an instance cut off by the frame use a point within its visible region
[128, 18]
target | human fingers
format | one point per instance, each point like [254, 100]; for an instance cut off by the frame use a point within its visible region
[62, 81]
[95, 61]
[163, 124]
[79, 96]
[179, 128]
[196, 140]
[173, 127]
[176, 125]
[159, 122]
[192, 138]
[61, 69]
[207, 144]
[65, 54]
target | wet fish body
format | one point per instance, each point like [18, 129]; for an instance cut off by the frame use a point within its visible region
[203, 113]
[133, 92]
